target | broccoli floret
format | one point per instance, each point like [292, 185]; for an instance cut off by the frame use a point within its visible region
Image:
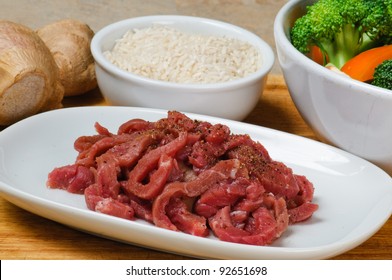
[343, 28]
[382, 76]
[379, 21]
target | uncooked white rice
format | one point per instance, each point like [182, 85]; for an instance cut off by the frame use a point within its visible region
[164, 53]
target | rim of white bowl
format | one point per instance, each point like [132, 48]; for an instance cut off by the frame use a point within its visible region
[267, 53]
[282, 38]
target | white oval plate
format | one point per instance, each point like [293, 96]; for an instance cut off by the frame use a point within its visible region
[354, 196]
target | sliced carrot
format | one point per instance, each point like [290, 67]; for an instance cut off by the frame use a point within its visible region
[361, 67]
[316, 55]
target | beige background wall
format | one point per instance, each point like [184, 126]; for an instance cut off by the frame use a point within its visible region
[254, 15]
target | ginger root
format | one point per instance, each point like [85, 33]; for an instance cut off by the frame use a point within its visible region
[69, 42]
[28, 74]
[39, 68]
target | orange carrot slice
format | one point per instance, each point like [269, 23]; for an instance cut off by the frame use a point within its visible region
[361, 67]
[316, 55]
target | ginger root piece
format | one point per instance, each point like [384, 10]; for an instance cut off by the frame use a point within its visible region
[69, 42]
[29, 81]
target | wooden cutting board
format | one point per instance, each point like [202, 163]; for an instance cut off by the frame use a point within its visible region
[26, 236]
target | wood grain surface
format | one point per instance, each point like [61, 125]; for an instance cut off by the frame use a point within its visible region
[24, 235]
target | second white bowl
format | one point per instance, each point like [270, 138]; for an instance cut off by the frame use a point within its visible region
[349, 114]
[232, 100]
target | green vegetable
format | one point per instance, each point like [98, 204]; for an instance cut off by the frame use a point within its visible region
[343, 28]
[383, 75]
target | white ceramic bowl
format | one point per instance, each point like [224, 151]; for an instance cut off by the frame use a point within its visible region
[231, 100]
[351, 115]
